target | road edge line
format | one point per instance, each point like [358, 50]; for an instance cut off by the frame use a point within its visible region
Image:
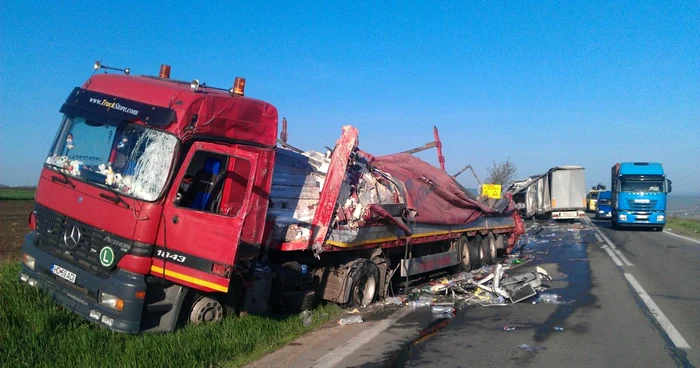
[655, 311]
[333, 358]
[682, 237]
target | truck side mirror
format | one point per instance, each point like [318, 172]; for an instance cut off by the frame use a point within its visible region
[670, 187]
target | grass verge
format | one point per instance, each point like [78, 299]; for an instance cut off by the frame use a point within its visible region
[34, 332]
[684, 226]
[17, 194]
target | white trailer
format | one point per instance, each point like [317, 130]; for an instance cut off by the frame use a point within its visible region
[568, 192]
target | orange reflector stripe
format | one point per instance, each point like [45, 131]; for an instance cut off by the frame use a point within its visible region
[190, 279]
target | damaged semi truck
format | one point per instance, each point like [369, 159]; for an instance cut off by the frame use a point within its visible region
[164, 202]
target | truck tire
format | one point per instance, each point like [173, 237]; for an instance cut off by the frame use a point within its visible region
[365, 284]
[206, 309]
[476, 254]
[615, 225]
[502, 245]
[490, 250]
[462, 248]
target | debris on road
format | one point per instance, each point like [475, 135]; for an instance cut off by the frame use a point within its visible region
[557, 328]
[508, 328]
[527, 347]
[350, 320]
[305, 317]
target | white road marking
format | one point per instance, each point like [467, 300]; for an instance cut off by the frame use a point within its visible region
[654, 309]
[613, 249]
[336, 356]
[682, 237]
[660, 317]
[612, 255]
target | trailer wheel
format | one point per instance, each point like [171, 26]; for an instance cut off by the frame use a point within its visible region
[206, 309]
[365, 282]
[461, 245]
[476, 253]
[489, 248]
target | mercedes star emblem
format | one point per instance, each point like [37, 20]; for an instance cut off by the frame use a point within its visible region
[71, 237]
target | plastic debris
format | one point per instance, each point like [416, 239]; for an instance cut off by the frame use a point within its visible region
[516, 261]
[417, 304]
[305, 317]
[354, 311]
[508, 328]
[557, 328]
[350, 320]
[547, 298]
[393, 301]
[527, 347]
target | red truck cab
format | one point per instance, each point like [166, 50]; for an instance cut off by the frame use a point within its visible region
[153, 189]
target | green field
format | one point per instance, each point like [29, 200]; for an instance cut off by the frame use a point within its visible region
[34, 332]
[684, 226]
[16, 194]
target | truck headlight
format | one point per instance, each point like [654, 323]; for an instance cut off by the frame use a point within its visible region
[110, 301]
[623, 217]
[660, 217]
[28, 261]
[601, 211]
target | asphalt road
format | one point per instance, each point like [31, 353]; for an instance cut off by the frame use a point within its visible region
[605, 321]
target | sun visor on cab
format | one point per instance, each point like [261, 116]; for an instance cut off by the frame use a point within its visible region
[105, 108]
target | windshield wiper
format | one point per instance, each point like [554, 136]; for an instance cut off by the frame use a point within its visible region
[116, 199]
[57, 179]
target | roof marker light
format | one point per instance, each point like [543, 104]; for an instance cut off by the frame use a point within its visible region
[238, 87]
[194, 85]
[164, 71]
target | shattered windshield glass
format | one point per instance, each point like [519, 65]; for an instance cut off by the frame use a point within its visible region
[132, 159]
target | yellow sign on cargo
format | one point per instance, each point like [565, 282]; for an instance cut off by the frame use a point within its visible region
[491, 190]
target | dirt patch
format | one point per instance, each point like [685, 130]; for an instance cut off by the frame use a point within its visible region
[13, 227]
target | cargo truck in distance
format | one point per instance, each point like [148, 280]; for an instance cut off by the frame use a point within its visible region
[163, 202]
[568, 190]
[639, 192]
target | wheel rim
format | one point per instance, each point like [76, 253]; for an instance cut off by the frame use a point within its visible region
[364, 291]
[206, 310]
[465, 254]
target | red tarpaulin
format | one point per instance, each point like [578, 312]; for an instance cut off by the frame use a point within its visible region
[432, 193]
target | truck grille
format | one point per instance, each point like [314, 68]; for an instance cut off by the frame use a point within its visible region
[54, 236]
[641, 206]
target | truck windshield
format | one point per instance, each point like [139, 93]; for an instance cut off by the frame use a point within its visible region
[594, 195]
[128, 158]
[642, 186]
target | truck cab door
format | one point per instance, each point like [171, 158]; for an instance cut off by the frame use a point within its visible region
[203, 216]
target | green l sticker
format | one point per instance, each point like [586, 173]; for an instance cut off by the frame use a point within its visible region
[106, 256]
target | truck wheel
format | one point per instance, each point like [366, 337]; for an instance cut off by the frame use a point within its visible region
[365, 282]
[489, 248]
[462, 247]
[501, 245]
[615, 225]
[206, 309]
[476, 253]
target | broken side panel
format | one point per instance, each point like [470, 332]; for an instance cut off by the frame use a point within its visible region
[296, 185]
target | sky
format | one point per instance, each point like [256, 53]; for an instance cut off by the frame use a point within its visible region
[540, 83]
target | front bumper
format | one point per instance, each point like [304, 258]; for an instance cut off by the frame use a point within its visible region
[81, 297]
[604, 215]
[641, 219]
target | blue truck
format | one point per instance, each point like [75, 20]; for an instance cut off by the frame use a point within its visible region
[639, 192]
